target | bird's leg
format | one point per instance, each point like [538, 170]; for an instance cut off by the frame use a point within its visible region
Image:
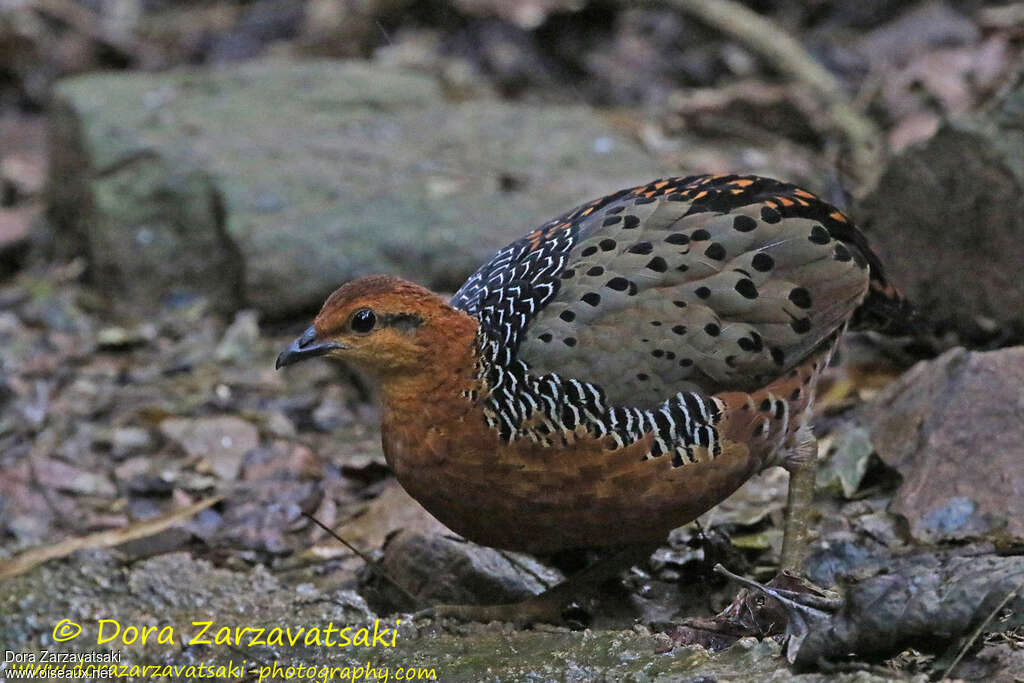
[549, 606]
[804, 606]
[802, 464]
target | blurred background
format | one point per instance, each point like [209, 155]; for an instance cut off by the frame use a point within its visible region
[182, 183]
[214, 148]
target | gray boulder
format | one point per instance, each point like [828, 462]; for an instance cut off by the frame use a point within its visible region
[268, 184]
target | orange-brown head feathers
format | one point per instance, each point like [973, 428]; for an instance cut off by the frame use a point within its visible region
[383, 325]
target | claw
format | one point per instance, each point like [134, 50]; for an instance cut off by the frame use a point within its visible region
[556, 605]
[804, 610]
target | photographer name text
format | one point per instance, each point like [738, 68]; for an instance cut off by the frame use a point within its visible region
[113, 632]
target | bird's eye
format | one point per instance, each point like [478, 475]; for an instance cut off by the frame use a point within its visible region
[363, 320]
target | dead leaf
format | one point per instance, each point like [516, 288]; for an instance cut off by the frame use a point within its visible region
[392, 510]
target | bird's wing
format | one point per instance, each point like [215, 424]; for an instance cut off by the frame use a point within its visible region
[706, 283]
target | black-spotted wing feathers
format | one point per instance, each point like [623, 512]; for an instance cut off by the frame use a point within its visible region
[707, 283]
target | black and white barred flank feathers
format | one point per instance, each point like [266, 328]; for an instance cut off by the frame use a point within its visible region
[553, 411]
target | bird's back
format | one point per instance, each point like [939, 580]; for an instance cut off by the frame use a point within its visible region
[701, 284]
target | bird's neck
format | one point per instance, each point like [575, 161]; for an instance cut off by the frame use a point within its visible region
[438, 384]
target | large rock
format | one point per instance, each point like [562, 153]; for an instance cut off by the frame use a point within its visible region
[440, 569]
[954, 429]
[269, 184]
[947, 218]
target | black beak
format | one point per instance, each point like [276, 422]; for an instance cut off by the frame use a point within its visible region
[305, 347]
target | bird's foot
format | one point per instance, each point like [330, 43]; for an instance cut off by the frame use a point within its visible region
[761, 611]
[558, 604]
[804, 605]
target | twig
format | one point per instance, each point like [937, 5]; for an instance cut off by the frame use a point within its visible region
[981, 627]
[104, 539]
[771, 41]
[811, 603]
[374, 567]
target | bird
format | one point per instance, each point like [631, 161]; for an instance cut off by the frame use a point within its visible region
[618, 371]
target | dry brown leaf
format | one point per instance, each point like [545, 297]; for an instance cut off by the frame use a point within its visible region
[391, 511]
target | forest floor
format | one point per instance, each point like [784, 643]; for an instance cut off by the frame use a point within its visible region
[155, 468]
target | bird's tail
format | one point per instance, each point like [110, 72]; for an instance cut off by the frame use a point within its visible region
[885, 309]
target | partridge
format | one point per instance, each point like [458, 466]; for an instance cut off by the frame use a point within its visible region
[621, 369]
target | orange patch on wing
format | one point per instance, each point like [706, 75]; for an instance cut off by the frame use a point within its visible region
[699, 195]
[838, 215]
[804, 193]
[742, 182]
[785, 201]
[536, 238]
[555, 229]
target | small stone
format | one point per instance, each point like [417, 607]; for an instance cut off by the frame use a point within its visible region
[747, 643]
[69, 478]
[130, 440]
[121, 338]
[149, 485]
[220, 441]
[14, 229]
[662, 643]
[6, 391]
[132, 467]
[30, 529]
[24, 172]
[223, 393]
[278, 424]
[881, 526]
[332, 412]
[240, 339]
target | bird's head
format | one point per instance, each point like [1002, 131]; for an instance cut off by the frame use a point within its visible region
[381, 324]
